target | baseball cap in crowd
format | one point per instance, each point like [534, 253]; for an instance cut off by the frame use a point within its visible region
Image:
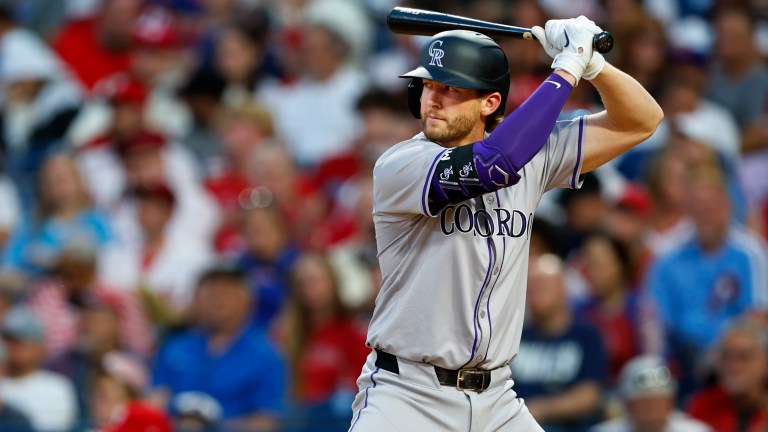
[23, 325]
[205, 81]
[144, 140]
[157, 190]
[646, 376]
[636, 199]
[224, 269]
[156, 27]
[197, 405]
[122, 88]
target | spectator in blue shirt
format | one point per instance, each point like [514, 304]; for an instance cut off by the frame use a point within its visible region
[64, 215]
[719, 274]
[267, 259]
[561, 367]
[224, 357]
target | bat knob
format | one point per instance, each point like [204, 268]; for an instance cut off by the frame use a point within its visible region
[602, 42]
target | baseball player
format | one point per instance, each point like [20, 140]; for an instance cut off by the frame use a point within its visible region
[453, 208]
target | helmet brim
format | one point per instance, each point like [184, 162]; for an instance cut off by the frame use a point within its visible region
[447, 77]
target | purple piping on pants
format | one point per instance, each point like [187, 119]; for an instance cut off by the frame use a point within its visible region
[365, 405]
[425, 191]
[578, 155]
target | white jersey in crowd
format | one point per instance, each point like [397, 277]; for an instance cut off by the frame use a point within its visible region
[454, 283]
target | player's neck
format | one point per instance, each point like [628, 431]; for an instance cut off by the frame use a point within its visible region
[477, 134]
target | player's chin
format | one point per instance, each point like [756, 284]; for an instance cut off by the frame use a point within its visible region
[434, 126]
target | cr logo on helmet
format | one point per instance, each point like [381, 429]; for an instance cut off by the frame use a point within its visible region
[436, 53]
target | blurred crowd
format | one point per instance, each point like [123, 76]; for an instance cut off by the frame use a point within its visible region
[186, 240]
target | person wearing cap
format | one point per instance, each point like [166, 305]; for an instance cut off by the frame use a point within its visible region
[738, 400]
[224, 356]
[160, 60]
[647, 391]
[156, 264]
[11, 419]
[628, 221]
[195, 412]
[47, 398]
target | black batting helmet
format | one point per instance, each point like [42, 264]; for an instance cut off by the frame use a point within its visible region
[460, 58]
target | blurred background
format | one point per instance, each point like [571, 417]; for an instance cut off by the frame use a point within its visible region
[186, 239]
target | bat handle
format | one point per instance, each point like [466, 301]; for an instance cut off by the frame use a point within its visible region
[602, 42]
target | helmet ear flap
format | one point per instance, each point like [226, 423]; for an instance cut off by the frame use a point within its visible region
[414, 96]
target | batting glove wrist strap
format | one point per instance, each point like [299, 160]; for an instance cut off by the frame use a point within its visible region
[594, 67]
[570, 62]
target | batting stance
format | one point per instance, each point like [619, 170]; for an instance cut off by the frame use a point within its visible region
[453, 209]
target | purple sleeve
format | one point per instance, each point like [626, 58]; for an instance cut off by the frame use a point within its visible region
[521, 135]
[493, 163]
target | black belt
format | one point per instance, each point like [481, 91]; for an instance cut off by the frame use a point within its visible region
[463, 379]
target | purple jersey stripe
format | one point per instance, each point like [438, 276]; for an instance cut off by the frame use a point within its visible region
[365, 405]
[488, 302]
[477, 303]
[427, 182]
[578, 155]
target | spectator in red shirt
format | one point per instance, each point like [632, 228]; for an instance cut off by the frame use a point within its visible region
[115, 402]
[99, 46]
[323, 342]
[737, 402]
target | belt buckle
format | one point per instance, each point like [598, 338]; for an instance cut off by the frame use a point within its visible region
[460, 379]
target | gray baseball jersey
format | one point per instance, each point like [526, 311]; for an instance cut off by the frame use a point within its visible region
[453, 289]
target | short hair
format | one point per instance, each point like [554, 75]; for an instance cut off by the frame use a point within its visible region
[495, 119]
[377, 98]
[224, 271]
[746, 325]
[251, 112]
[619, 249]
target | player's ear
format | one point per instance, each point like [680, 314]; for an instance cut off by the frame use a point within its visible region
[490, 103]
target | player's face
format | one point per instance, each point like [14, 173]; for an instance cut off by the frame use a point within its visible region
[449, 115]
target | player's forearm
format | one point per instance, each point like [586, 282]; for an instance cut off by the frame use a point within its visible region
[631, 115]
[627, 104]
[579, 401]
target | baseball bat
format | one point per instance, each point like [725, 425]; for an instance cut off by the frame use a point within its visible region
[426, 23]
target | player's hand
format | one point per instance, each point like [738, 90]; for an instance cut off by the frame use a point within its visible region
[569, 42]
